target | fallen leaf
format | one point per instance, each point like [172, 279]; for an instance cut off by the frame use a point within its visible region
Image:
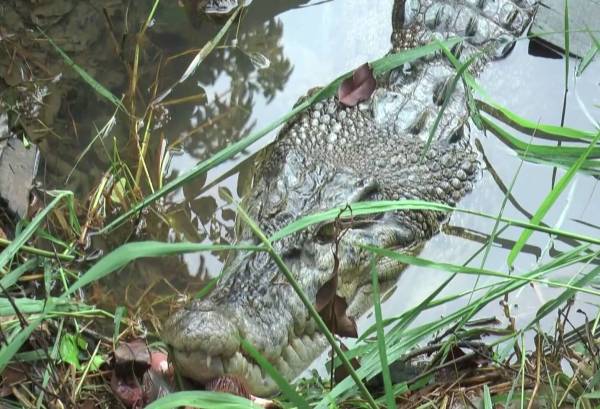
[332, 308]
[11, 376]
[326, 294]
[343, 325]
[155, 385]
[132, 356]
[88, 404]
[341, 372]
[357, 88]
[129, 391]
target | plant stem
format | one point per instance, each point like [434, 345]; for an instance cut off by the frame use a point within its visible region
[38, 252]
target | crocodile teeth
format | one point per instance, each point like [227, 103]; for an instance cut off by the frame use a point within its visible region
[292, 358]
[300, 349]
[198, 365]
[236, 365]
[284, 369]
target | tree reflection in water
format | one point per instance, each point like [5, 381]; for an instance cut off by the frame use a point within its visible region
[50, 104]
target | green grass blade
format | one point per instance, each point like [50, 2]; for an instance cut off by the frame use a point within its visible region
[552, 152]
[379, 66]
[549, 201]
[458, 269]
[9, 252]
[533, 128]
[449, 92]
[370, 207]
[286, 389]
[487, 398]
[385, 370]
[207, 288]
[587, 59]
[120, 312]
[202, 399]
[132, 251]
[11, 278]
[407, 317]
[401, 340]
[567, 44]
[99, 88]
[13, 345]
[32, 306]
[357, 209]
[312, 312]
[556, 302]
[201, 55]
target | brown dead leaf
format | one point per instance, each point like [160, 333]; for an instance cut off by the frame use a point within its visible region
[140, 375]
[326, 294]
[132, 356]
[334, 316]
[331, 307]
[11, 376]
[341, 372]
[155, 385]
[357, 88]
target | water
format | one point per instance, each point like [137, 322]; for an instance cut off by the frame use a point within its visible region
[307, 43]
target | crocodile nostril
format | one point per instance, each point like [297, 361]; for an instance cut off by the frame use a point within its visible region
[457, 135]
[326, 233]
[209, 331]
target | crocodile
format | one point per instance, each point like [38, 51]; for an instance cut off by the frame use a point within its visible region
[334, 155]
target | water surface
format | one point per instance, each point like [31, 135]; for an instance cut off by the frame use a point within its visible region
[279, 51]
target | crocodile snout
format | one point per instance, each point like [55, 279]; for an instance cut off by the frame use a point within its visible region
[201, 338]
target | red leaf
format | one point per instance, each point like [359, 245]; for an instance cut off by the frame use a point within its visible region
[358, 88]
[129, 391]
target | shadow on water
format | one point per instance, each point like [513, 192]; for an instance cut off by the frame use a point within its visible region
[278, 51]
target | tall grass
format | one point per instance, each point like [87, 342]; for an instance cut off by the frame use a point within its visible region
[394, 337]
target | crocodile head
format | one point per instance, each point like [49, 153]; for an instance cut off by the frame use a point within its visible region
[333, 156]
[350, 159]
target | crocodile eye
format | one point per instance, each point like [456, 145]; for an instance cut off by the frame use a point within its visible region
[325, 233]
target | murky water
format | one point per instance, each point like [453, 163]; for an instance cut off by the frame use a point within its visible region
[307, 43]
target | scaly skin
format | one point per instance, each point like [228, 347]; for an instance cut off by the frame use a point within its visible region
[330, 156]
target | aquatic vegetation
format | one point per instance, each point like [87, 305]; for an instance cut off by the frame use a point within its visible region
[57, 347]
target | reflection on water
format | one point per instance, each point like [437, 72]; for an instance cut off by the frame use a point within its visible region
[278, 51]
[532, 87]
